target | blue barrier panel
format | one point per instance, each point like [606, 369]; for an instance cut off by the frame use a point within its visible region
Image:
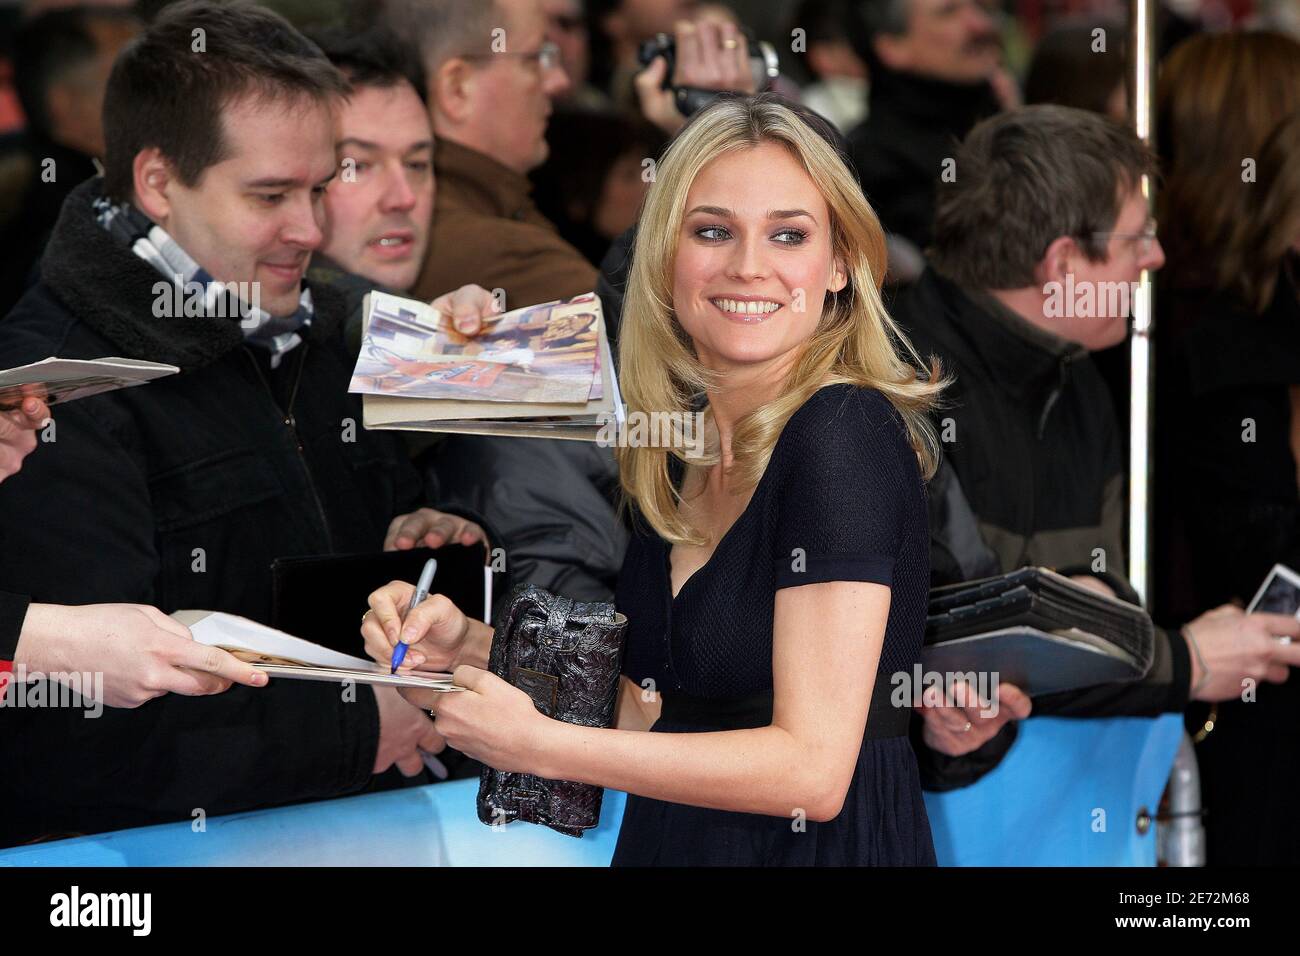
[1039, 806]
[422, 826]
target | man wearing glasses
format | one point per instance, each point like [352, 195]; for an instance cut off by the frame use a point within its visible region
[491, 78]
[1037, 247]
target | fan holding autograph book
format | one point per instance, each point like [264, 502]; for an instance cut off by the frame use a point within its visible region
[1037, 630]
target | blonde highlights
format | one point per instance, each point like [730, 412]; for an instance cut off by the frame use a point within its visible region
[855, 342]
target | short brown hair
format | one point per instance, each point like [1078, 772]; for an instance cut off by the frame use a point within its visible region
[1026, 178]
[445, 29]
[168, 91]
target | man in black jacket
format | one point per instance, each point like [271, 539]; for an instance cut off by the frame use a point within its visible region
[148, 653]
[1038, 248]
[935, 68]
[191, 250]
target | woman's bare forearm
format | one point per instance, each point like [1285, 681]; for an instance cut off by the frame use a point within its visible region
[763, 770]
[803, 762]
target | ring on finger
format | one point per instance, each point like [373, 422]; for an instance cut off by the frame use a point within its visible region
[366, 615]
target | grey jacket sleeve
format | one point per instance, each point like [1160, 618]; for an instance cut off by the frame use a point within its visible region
[552, 501]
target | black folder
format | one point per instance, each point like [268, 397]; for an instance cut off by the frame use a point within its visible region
[321, 598]
[1038, 630]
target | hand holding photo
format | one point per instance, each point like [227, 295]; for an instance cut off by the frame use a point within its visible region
[544, 371]
[1279, 594]
[545, 353]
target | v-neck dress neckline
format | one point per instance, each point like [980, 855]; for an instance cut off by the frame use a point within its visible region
[726, 536]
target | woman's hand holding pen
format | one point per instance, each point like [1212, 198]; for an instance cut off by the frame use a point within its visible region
[440, 635]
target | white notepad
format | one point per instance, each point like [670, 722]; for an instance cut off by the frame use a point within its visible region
[66, 380]
[283, 655]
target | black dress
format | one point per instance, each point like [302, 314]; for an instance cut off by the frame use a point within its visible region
[841, 500]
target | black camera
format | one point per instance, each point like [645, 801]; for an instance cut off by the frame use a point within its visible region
[691, 99]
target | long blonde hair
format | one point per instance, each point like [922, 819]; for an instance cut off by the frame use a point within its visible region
[855, 341]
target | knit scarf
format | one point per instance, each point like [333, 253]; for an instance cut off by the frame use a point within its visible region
[278, 335]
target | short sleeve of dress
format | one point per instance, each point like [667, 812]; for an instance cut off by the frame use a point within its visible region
[848, 484]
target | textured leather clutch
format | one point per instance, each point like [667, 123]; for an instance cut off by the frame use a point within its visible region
[567, 656]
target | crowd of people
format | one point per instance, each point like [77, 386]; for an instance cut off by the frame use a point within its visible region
[857, 278]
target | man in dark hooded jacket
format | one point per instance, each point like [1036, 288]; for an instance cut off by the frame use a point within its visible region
[191, 250]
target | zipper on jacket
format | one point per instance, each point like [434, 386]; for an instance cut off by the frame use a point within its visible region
[1052, 399]
[291, 422]
[1055, 394]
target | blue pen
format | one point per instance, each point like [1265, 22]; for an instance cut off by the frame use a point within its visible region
[421, 592]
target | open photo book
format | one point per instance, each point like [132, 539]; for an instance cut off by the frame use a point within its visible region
[543, 371]
[282, 655]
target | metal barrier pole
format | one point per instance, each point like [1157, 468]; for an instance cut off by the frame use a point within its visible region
[1141, 41]
[1182, 837]
[1180, 834]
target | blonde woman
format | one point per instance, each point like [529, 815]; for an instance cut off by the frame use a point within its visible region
[773, 586]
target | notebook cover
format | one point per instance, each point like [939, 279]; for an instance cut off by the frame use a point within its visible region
[324, 596]
[1038, 662]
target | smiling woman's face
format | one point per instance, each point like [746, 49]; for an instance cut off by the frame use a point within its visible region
[754, 260]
